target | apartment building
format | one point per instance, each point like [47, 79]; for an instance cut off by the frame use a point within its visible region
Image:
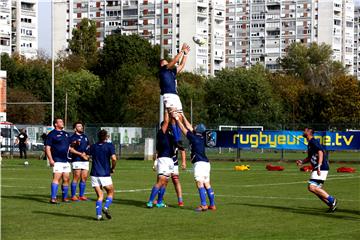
[356, 43]
[19, 27]
[261, 30]
[165, 22]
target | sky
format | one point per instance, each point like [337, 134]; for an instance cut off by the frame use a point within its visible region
[45, 25]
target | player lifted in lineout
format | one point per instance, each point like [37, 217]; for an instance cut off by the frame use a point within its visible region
[200, 161]
[165, 163]
[318, 159]
[102, 153]
[168, 87]
[80, 162]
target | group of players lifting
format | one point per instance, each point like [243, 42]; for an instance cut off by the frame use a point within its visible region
[61, 149]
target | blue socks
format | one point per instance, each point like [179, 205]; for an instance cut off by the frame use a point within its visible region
[330, 199]
[180, 200]
[176, 132]
[98, 207]
[65, 190]
[108, 202]
[82, 186]
[73, 189]
[211, 196]
[202, 193]
[161, 195]
[54, 189]
[153, 194]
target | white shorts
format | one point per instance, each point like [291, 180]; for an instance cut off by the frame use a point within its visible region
[80, 165]
[165, 166]
[172, 101]
[101, 181]
[62, 167]
[314, 176]
[176, 170]
[202, 172]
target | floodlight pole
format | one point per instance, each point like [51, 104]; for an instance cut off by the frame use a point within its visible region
[161, 112]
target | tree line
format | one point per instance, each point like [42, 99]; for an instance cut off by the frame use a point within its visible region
[119, 84]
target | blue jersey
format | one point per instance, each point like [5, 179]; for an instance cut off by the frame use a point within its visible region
[59, 141]
[81, 144]
[197, 146]
[164, 144]
[101, 153]
[168, 82]
[314, 147]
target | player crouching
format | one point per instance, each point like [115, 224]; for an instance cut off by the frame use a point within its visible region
[200, 161]
[101, 153]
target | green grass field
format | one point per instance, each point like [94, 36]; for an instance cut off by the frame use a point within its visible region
[256, 204]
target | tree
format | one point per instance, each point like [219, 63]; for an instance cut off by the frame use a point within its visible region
[311, 63]
[24, 114]
[83, 89]
[83, 41]
[241, 96]
[344, 101]
[191, 87]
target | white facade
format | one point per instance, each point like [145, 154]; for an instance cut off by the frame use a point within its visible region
[259, 31]
[356, 43]
[20, 17]
[165, 22]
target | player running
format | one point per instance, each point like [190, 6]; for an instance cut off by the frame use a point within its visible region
[101, 153]
[318, 159]
[57, 150]
[165, 163]
[200, 161]
[168, 86]
[80, 161]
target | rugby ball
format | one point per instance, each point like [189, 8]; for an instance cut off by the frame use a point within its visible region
[26, 163]
[199, 40]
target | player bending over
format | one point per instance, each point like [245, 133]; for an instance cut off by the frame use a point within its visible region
[318, 159]
[168, 86]
[165, 163]
[200, 161]
[101, 153]
[80, 161]
[57, 147]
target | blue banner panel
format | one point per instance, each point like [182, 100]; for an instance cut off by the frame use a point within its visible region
[291, 140]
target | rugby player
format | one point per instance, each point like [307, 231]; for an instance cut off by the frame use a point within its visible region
[165, 163]
[318, 159]
[80, 161]
[102, 153]
[200, 161]
[57, 148]
[168, 86]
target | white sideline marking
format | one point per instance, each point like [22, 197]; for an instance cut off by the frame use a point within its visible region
[126, 191]
[271, 197]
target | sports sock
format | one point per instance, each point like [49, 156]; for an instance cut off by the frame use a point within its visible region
[176, 132]
[161, 195]
[211, 196]
[330, 199]
[108, 202]
[73, 189]
[65, 190]
[98, 207]
[180, 199]
[153, 194]
[202, 193]
[54, 189]
[82, 186]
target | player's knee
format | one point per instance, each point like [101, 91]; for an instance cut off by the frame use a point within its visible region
[175, 179]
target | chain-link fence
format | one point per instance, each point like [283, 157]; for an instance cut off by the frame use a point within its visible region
[130, 142]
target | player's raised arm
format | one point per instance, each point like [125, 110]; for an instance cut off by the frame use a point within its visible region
[183, 60]
[165, 123]
[177, 58]
[187, 124]
[180, 124]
